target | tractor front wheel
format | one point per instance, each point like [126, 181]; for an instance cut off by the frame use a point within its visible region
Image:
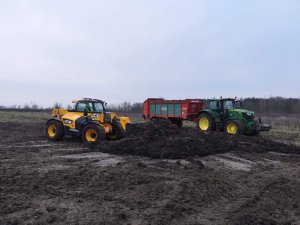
[93, 133]
[55, 130]
[206, 123]
[117, 132]
[234, 127]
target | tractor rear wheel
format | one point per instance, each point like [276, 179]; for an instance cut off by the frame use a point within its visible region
[234, 127]
[206, 123]
[117, 132]
[93, 133]
[55, 130]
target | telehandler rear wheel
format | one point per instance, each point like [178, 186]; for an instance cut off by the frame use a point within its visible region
[117, 132]
[205, 122]
[234, 127]
[55, 130]
[93, 133]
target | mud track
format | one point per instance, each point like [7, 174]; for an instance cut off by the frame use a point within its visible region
[236, 181]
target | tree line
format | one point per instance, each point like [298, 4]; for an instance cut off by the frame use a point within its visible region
[278, 105]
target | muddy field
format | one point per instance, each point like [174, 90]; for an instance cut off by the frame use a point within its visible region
[155, 176]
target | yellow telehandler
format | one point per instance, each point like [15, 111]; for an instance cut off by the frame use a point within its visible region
[88, 120]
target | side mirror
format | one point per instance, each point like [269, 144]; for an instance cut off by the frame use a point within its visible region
[85, 112]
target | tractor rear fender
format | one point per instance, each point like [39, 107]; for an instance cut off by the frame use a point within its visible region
[209, 112]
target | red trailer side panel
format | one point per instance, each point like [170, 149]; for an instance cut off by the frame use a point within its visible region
[187, 109]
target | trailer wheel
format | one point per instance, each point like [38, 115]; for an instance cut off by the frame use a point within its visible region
[234, 127]
[179, 123]
[117, 132]
[55, 130]
[206, 123]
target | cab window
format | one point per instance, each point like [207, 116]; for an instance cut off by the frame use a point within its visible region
[80, 106]
[228, 105]
[98, 107]
[84, 105]
[213, 104]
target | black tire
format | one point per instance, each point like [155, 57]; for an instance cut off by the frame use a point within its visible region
[55, 130]
[234, 127]
[117, 132]
[93, 133]
[210, 124]
[179, 123]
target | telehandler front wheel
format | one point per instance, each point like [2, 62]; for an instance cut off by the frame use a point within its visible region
[93, 133]
[117, 132]
[206, 123]
[234, 127]
[55, 130]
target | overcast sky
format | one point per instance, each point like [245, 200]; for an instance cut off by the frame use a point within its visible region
[55, 51]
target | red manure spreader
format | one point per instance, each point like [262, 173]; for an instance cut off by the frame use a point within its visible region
[174, 110]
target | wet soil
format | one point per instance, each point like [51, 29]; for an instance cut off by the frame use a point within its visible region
[252, 181]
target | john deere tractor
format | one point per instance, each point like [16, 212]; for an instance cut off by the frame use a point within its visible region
[227, 115]
[88, 120]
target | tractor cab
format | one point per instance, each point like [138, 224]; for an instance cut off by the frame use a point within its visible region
[224, 104]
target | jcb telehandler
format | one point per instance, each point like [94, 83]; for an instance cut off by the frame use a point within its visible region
[88, 120]
[227, 115]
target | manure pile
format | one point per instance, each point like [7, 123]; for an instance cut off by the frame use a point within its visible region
[161, 139]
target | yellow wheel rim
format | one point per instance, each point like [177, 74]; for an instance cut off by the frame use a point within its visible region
[52, 130]
[232, 128]
[91, 135]
[204, 123]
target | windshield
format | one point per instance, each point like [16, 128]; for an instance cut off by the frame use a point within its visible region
[98, 107]
[228, 104]
[90, 107]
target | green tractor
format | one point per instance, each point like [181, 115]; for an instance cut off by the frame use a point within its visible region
[228, 115]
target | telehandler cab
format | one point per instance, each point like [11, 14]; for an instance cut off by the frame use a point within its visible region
[227, 115]
[88, 120]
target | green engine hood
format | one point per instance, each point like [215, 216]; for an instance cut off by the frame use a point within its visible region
[233, 112]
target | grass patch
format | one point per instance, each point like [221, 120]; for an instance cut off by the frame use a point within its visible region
[7, 116]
